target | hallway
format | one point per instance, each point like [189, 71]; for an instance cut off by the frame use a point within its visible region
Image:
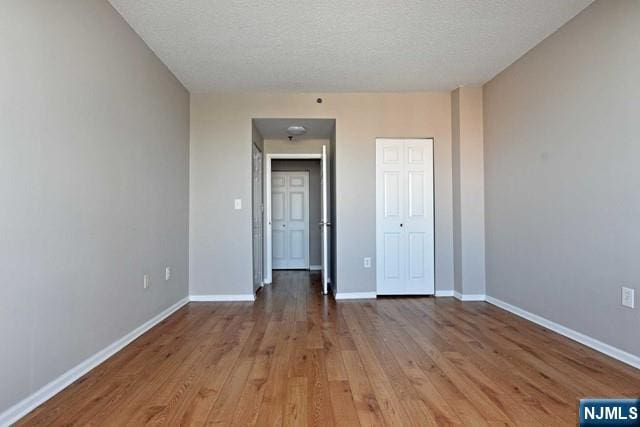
[295, 357]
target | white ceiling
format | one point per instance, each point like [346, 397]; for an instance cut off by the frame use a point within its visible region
[337, 45]
[277, 128]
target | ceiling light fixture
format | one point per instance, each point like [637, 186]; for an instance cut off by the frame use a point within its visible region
[297, 130]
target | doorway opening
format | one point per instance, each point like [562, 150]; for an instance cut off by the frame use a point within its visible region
[298, 203]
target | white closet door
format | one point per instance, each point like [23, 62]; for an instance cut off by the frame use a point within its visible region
[290, 220]
[404, 217]
[419, 222]
[389, 245]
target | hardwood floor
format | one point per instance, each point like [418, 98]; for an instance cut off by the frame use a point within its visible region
[295, 357]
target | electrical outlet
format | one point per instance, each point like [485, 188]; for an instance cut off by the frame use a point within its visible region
[628, 297]
[237, 204]
[146, 281]
[367, 262]
[167, 273]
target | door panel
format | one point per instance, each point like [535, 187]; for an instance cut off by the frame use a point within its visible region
[296, 181]
[404, 216]
[278, 249]
[416, 194]
[416, 256]
[419, 222]
[391, 154]
[391, 194]
[415, 154]
[296, 206]
[278, 205]
[392, 256]
[290, 220]
[297, 245]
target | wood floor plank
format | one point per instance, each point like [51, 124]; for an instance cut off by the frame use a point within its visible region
[367, 406]
[390, 406]
[296, 412]
[344, 409]
[319, 410]
[295, 357]
[332, 354]
[249, 404]
[214, 378]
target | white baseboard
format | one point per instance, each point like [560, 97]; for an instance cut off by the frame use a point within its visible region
[28, 404]
[355, 295]
[469, 297]
[444, 293]
[221, 298]
[595, 344]
[315, 267]
[461, 297]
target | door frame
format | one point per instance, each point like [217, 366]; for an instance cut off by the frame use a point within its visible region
[267, 230]
[256, 149]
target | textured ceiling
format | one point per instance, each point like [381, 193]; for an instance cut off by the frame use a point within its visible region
[337, 45]
[277, 128]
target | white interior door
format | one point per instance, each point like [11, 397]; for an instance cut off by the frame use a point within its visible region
[324, 221]
[258, 274]
[404, 217]
[290, 220]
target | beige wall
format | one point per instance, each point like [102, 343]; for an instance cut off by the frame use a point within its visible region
[562, 143]
[220, 237]
[468, 190]
[93, 187]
